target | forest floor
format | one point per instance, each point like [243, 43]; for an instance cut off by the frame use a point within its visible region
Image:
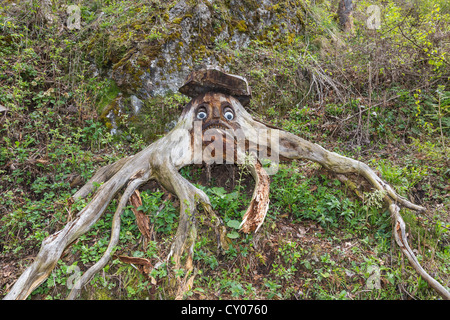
[320, 239]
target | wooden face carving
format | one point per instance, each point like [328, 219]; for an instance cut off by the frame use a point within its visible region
[215, 126]
[215, 111]
[221, 129]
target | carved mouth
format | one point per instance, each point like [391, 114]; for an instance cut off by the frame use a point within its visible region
[215, 125]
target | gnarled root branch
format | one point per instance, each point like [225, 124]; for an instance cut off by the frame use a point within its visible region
[293, 147]
[54, 245]
[115, 231]
[189, 197]
[402, 242]
[161, 161]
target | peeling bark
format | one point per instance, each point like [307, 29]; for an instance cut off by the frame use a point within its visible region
[211, 119]
[142, 220]
[257, 210]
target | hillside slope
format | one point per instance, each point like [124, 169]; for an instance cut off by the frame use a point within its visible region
[73, 100]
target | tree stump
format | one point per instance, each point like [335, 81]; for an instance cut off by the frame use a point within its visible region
[214, 127]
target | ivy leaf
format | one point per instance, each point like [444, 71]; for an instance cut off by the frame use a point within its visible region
[233, 235]
[233, 224]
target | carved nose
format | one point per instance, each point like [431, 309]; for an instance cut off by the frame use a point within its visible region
[216, 113]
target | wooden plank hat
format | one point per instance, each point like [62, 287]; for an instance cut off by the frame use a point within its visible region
[214, 79]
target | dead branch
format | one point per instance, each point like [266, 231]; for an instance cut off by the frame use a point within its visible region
[115, 232]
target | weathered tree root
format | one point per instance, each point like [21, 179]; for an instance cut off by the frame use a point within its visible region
[402, 242]
[163, 159]
[115, 232]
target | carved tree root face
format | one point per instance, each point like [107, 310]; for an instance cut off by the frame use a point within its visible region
[214, 127]
[228, 135]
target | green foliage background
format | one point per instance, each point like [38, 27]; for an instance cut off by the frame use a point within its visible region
[381, 96]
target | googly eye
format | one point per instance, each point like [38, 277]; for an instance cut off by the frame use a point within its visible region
[201, 115]
[229, 115]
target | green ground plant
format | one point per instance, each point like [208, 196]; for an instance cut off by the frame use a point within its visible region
[320, 239]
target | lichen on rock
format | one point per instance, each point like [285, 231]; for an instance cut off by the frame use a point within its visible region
[151, 53]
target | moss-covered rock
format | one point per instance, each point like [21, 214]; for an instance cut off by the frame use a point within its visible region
[149, 50]
[155, 47]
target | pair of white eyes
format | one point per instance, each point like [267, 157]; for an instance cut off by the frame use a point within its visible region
[228, 115]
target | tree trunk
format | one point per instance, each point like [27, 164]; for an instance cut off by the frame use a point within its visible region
[345, 13]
